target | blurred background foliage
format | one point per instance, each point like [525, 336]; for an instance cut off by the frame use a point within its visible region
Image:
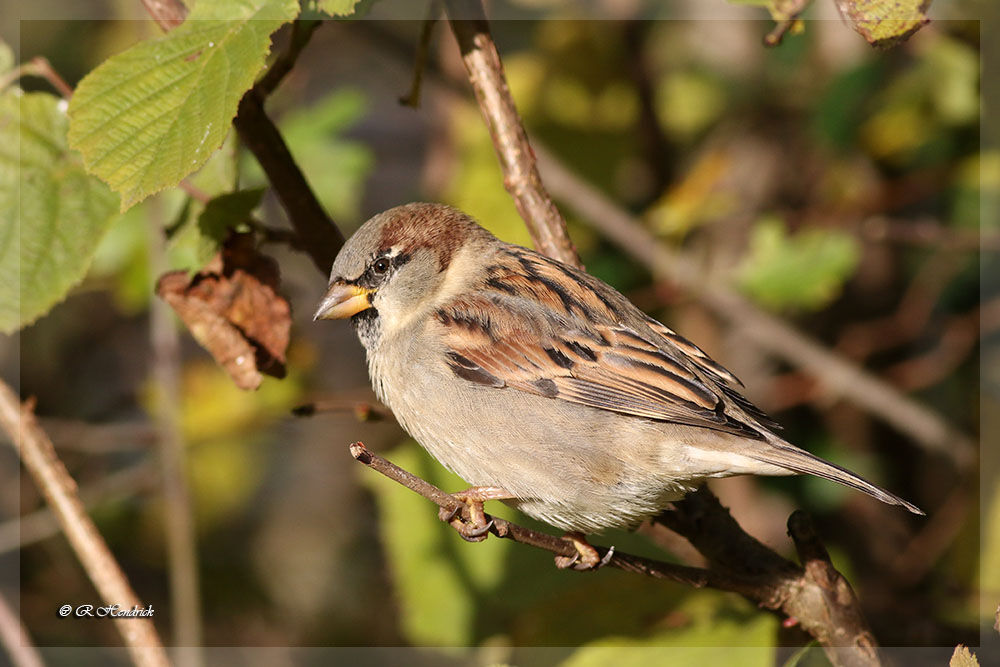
[836, 185]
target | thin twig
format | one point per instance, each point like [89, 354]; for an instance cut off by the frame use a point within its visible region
[40, 459]
[517, 160]
[817, 596]
[556, 545]
[182, 549]
[928, 233]
[168, 14]
[14, 637]
[840, 377]
[362, 410]
[654, 142]
[41, 67]
[791, 10]
[412, 98]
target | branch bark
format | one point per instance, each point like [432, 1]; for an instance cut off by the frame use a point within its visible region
[43, 464]
[319, 236]
[517, 160]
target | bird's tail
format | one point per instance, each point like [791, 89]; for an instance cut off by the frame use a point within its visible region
[786, 455]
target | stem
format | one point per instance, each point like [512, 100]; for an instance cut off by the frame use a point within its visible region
[182, 549]
[517, 160]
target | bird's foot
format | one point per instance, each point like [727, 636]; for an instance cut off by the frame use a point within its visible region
[586, 556]
[478, 525]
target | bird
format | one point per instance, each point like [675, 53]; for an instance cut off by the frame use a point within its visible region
[543, 386]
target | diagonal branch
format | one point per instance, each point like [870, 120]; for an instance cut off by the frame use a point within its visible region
[54, 481]
[319, 236]
[517, 160]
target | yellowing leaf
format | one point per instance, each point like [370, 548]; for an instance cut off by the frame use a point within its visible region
[150, 116]
[337, 7]
[885, 22]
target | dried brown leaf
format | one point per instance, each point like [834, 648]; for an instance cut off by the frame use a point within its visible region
[963, 657]
[234, 311]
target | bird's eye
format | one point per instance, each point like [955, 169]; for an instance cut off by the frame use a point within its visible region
[381, 266]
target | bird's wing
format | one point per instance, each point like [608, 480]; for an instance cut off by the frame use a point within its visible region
[579, 349]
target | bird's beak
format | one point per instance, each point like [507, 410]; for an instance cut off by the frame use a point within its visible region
[342, 301]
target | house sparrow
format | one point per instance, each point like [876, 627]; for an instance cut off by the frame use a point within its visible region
[541, 385]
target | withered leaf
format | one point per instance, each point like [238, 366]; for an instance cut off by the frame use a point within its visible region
[885, 23]
[234, 311]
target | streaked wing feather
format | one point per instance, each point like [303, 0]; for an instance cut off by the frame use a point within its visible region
[578, 348]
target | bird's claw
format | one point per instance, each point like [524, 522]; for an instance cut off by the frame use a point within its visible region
[586, 556]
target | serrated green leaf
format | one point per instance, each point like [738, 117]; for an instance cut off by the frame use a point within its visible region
[148, 117]
[52, 214]
[804, 271]
[337, 7]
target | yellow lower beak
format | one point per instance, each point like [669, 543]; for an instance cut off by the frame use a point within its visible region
[342, 301]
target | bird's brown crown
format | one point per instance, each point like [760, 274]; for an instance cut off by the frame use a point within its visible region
[439, 228]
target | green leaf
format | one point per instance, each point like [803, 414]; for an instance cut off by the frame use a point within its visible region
[337, 7]
[52, 214]
[804, 271]
[228, 211]
[148, 117]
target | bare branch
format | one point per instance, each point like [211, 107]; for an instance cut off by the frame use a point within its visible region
[14, 637]
[561, 547]
[40, 459]
[301, 33]
[412, 98]
[517, 160]
[319, 236]
[363, 410]
[41, 67]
